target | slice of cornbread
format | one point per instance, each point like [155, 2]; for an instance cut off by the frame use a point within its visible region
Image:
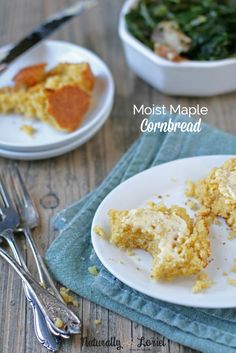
[218, 192]
[179, 246]
[60, 97]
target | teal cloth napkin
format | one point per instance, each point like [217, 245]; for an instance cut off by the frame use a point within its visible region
[70, 255]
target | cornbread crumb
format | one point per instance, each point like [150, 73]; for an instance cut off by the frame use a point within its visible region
[59, 323]
[28, 129]
[189, 188]
[231, 281]
[97, 322]
[50, 290]
[232, 235]
[130, 252]
[152, 204]
[100, 231]
[68, 298]
[233, 269]
[202, 283]
[192, 205]
[225, 273]
[217, 222]
[93, 270]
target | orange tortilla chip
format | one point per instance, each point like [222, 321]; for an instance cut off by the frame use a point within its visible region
[30, 75]
[68, 106]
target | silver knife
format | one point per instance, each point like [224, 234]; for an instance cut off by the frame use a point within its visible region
[44, 30]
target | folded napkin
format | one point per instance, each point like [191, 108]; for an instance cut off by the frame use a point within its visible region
[70, 255]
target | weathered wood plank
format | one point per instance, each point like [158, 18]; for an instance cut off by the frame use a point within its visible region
[58, 182]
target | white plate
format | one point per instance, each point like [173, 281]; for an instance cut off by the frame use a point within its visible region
[167, 179]
[37, 155]
[54, 52]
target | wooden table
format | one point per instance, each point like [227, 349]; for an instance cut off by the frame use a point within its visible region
[58, 182]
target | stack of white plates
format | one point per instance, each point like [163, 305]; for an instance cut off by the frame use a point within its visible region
[48, 142]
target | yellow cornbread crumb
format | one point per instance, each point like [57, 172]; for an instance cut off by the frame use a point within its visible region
[130, 252]
[231, 235]
[217, 222]
[202, 283]
[100, 231]
[97, 322]
[93, 270]
[189, 188]
[68, 298]
[59, 323]
[192, 205]
[28, 129]
[179, 246]
[233, 269]
[42, 285]
[231, 281]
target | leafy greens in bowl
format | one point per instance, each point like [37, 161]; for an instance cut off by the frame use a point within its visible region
[180, 30]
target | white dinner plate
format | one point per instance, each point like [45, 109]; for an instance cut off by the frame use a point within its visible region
[53, 52]
[54, 152]
[169, 181]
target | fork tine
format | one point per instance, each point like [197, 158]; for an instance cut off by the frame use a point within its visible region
[10, 185]
[21, 194]
[4, 193]
[17, 185]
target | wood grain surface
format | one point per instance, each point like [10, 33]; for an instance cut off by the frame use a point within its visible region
[60, 181]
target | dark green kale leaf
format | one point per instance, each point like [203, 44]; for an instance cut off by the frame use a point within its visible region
[211, 24]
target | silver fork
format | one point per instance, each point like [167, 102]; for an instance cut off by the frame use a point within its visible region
[11, 221]
[51, 307]
[29, 219]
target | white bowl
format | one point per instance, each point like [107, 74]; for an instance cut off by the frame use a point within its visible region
[192, 78]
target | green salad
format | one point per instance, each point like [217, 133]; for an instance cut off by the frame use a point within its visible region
[185, 29]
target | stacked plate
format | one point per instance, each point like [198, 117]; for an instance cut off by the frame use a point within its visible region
[47, 142]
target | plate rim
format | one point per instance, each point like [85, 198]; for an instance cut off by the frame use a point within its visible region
[109, 99]
[126, 282]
